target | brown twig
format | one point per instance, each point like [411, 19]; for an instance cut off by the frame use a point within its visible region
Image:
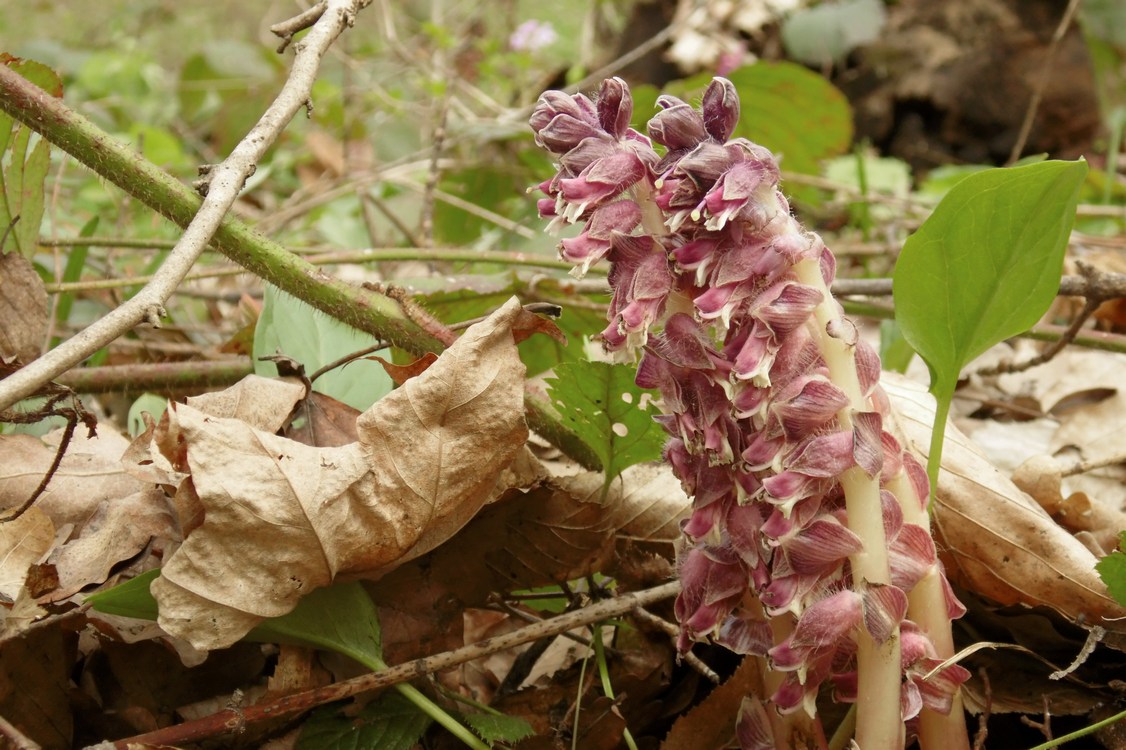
[73, 415]
[986, 709]
[1042, 80]
[672, 631]
[160, 376]
[25, 102]
[226, 721]
[287, 29]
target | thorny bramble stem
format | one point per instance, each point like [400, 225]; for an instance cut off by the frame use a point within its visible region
[808, 533]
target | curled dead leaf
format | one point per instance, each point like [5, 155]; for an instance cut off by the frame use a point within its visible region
[283, 518]
[996, 540]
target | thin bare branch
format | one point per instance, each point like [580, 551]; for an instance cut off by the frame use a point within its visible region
[230, 720]
[226, 181]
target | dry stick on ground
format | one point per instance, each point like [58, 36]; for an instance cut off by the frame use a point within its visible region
[226, 181]
[236, 720]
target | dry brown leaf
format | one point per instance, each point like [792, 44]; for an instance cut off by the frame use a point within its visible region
[89, 475]
[996, 540]
[23, 541]
[117, 531]
[23, 309]
[264, 403]
[327, 422]
[284, 518]
[646, 503]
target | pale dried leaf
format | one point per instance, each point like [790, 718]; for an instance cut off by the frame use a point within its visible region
[23, 308]
[996, 540]
[283, 518]
[23, 541]
[263, 403]
[90, 474]
[118, 531]
[646, 503]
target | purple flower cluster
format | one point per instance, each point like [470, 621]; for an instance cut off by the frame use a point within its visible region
[726, 298]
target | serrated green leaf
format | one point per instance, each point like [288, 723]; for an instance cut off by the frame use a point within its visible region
[390, 722]
[986, 264]
[1112, 569]
[312, 338]
[499, 728]
[602, 405]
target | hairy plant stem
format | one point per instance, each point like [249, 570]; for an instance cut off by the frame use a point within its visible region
[878, 723]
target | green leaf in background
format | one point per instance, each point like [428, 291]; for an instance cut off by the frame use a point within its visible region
[982, 268]
[147, 402]
[21, 182]
[602, 404]
[296, 330]
[483, 294]
[825, 33]
[390, 722]
[493, 728]
[895, 353]
[1112, 569]
[72, 271]
[793, 111]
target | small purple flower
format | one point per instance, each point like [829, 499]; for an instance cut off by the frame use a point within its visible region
[532, 35]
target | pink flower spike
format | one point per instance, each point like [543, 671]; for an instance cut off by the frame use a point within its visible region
[810, 409]
[752, 727]
[615, 106]
[744, 635]
[911, 556]
[785, 306]
[867, 446]
[821, 546]
[829, 620]
[720, 109]
[884, 608]
[677, 126]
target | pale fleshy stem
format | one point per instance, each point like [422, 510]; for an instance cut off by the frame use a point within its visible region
[926, 606]
[879, 672]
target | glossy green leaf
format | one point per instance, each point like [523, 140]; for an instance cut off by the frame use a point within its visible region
[986, 264]
[72, 271]
[296, 330]
[604, 407]
[1112, 569]
[390, 722]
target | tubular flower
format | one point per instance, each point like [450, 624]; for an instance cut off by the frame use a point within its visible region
[724, 297]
